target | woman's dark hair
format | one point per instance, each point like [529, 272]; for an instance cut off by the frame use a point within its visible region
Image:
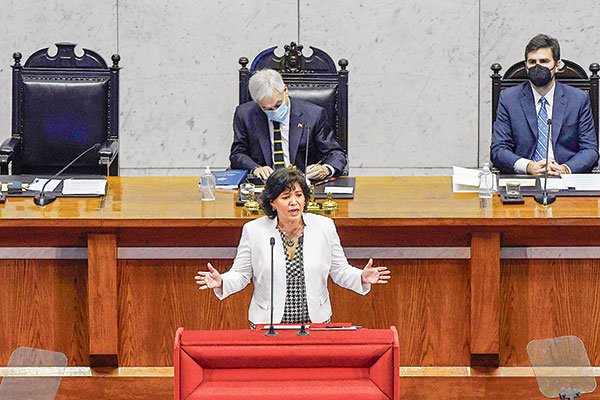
[280, 180]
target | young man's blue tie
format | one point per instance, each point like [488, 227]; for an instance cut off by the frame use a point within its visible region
[542, 139]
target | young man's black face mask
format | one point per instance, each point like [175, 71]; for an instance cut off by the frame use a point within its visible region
[539, 75]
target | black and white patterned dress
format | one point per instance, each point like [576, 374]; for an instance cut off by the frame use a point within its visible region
[296, 308]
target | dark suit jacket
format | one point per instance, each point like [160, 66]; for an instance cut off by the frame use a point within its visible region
[252, 144]
[515, 131]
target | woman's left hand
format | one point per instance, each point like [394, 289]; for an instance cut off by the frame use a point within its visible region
[372, 275]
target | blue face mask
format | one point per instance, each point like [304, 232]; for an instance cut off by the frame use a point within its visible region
[279, 114]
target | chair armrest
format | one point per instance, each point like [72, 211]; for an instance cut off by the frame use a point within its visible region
[8, 149]
[108, 151]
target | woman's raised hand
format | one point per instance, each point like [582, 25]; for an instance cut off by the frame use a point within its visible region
[374, 275]
[209, 279]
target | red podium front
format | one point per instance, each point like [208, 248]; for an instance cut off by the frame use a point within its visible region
[245, 364]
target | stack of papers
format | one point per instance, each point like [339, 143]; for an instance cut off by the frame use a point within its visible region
[339, 189]
[229, 179]
[465, 180]
[584, 182]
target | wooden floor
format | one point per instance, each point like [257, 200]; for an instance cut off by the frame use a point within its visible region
[448, 383]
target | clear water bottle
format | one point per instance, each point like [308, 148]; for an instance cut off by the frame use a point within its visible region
[486, 186]
[208, 184]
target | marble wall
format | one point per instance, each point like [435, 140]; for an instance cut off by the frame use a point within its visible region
[404, 111]
[419, 70]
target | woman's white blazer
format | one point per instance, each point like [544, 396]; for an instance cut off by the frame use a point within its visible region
[323, 257]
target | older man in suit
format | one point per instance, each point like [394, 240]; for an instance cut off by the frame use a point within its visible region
[271, 132]
[521, 129]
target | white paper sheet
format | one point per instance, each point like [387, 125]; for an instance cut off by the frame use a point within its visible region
[38, 183]
[84, 187]
[466, 180]
[339, 189]
[554, 184]
[581, 181]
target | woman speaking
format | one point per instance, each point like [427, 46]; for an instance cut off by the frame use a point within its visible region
[307, 251]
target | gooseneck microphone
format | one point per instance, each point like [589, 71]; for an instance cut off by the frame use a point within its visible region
[302, 331]
[544, 198]
[42, 198]
[306, 156]
[271, 331]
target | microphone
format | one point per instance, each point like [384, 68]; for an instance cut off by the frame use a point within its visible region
[306, 156]
[545, 198]
[271, 331]
[41, 199]
[302, 331]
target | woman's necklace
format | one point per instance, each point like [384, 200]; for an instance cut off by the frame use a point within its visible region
[289, 240]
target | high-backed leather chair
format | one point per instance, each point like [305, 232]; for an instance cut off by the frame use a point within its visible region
[572, 74]
[62, 105]
[314, 78]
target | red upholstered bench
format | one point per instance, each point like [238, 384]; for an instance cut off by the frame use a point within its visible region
[220, 365]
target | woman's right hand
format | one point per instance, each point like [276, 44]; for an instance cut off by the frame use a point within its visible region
[210, 279]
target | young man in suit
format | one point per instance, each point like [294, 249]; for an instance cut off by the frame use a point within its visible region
[270, 132]
[520, 131]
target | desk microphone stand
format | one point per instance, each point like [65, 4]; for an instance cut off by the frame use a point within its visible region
[271, 331]
[570, 395]
[302, 331]
[544, 198]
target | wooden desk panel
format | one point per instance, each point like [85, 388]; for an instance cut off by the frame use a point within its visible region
[43, 305]
[431, 301]
[547, 298]
[158, 296]
[485, 298]
[102, 299]
[428, 302]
